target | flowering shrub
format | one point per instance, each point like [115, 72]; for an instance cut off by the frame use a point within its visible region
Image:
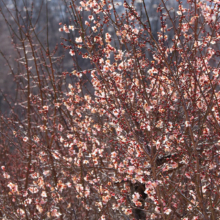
[135, 135]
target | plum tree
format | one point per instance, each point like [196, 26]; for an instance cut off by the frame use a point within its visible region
[132, 131]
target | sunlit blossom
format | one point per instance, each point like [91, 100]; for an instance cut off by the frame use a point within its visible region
[33, 189]
[72, 53]
[78, 39]
[13, 187]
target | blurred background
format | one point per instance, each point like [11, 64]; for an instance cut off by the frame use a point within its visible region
[46, 15]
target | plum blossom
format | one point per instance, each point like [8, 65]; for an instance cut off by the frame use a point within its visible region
[55, 213]
[33, 189]
[94, 28]
[78, 39]
[6, 175]
[107, 38]
[135, 197]
[187, 124]
[13, 187]
[20, 212]
[71, 27]
[103, 217]
[167, 211]
[72, 53]
[25, 139]
[91, 17]
[113, 154]
[44, 194]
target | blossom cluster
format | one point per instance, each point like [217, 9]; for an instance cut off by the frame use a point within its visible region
[137, 133]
